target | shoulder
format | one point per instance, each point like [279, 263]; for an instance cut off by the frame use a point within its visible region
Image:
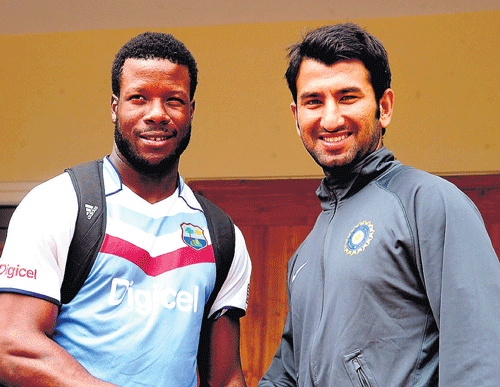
[410, 180]
[39, 236]
[47, 214]
[420, 191]
[53, 196]
[405, 176]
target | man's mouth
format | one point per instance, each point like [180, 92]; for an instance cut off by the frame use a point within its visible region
[333, 139]
[156, 137]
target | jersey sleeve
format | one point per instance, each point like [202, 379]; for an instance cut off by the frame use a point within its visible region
[38, 238]
[234, 292]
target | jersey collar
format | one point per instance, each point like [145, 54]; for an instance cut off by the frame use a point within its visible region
[113, 184]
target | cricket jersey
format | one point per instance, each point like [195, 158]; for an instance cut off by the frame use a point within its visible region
[136, 320]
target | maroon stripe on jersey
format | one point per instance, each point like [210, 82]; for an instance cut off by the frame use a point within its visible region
[154, 266]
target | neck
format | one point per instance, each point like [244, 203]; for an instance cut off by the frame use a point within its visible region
[151, 188]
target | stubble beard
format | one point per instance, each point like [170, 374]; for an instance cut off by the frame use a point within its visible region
[143, 166]
[350, 159]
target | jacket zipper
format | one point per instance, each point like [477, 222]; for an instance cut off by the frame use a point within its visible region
[334, 203]
[363, 380]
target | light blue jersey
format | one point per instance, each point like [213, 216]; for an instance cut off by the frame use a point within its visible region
[136, 321]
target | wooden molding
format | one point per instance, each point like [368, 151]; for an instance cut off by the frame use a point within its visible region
[11, 193]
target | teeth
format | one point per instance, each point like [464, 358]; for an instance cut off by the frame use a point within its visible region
[335, 139]
[158, 138]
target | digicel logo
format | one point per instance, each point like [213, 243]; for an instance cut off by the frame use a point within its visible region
[16, 271]
[145, 301]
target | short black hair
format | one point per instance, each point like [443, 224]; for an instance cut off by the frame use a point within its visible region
[345, 41]
[154, 45]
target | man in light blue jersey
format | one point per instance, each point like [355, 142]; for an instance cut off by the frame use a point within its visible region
[136, 320]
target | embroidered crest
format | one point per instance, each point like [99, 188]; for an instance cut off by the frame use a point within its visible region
[193, 236]
[359, 238]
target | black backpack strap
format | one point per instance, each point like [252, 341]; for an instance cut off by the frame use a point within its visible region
[90, 226]
[221, 229]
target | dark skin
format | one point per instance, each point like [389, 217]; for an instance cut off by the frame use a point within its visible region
[222, 354]
[153, 115]
[28, 357]
[152, 190]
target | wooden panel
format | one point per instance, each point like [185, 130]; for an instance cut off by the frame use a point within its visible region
[275, 217]
[259, 202]
[5, 215]
[270, 248]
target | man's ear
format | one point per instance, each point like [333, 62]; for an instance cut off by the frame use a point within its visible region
[192, 106]
[386, 106]
[293, 106]
[114, 108]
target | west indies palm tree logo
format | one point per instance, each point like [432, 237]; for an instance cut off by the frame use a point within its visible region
[193, 236]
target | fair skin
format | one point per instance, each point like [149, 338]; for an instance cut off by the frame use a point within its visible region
[336, 112]
[154, 114]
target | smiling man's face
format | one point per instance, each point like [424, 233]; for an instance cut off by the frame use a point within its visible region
[336, 112]
[152, 115]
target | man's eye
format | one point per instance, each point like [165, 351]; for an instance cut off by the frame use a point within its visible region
[136, 97]
[312, 102]
[176, 102]
[349, 98]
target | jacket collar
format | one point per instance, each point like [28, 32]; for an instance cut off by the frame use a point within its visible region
[352, 179]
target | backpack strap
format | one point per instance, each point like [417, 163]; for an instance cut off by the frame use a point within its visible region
[88, 182]
[87, 179]
[221, 229]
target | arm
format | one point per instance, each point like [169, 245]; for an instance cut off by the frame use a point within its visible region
[282, 366]
[219, 353]
[28, 357]
[462, 278]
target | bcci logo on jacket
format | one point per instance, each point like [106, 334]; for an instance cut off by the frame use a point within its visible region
[359, 238]
[193, 236]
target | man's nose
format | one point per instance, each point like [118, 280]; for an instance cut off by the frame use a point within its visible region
[332, 117]
[157, 113]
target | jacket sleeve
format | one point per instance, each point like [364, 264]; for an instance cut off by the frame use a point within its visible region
[282, 369]
[461, 275]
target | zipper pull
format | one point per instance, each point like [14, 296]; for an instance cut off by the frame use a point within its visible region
[357, 366]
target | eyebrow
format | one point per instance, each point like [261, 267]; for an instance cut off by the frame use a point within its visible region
[306, 95]
[346, 90]
[353, 89]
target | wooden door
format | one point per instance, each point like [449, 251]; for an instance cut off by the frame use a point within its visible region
[275, 216]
